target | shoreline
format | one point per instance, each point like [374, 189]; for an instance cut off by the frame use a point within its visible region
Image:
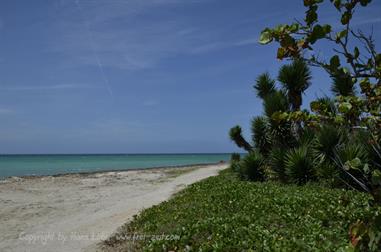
[38, 211]
[85, 173]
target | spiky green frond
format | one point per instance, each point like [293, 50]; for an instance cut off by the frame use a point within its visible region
[277, 157]
[235, 134]
[328, 104]
[342, 84]
[350, 151]
[300, 165]
[295, 79]
[261, 134]
[275, 102]
[281, 134]
[252, 167]
[264, 85]
[327, 138]
[306, 136]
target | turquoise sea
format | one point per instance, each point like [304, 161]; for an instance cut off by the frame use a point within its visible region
[32, 165]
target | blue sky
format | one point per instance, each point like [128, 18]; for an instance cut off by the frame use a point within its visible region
[139, 76]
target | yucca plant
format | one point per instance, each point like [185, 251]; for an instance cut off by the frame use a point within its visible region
[282, 134]
[368, 142]
[277, 157]
[252, 167]
[261, 134]
[264, 85]
[342, 84]
[328, 105]
[350, 151]
[295, 79]
[306, 136]
[299, 165]
[327, 172]
[327, 138]
[359, 163]
[235, 134]
[350, 157]
[275, 102]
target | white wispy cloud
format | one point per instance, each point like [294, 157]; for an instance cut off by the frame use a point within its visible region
[150, 103]
[218, 45]
[48, 87]
[248, 41]
[119, 37]
[5, 111]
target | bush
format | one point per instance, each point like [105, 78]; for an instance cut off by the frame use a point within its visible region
[277, 159]
[299, 165]
[350, 151]
[307, 136]
[328, 173]
[235, 157]
[275, 102]
[328, 137]
[252, 167]
[235, 166]
[261, 136]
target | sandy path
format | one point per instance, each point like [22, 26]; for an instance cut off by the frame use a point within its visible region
[74, 212]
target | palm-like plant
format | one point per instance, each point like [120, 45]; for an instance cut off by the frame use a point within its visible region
[236, 136]
[277, 159]
[350, 151]
[299, 165]
[275, 102]
[295, 78]
[306, 136]
[327, 138]
[349, 157]
[280, 132]
[252, 167]
[328, 105]
[264, 85]
[261, 136]
[342, 84]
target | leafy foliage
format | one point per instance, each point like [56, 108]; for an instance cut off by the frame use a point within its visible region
[295, 78]
[350, 151]
[327, 138]
[299, 165]
[339, 139]
[236, 136]
[349, 64]
[223, 213]
[277, 159]
[251, 167]
[275, 102]
[264, 85]
[343, 84]
[261, 134]
[325, 106]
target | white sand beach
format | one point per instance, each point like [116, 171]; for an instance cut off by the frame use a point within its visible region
[75, 212]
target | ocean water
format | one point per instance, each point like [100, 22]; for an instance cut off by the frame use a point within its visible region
[36, 165]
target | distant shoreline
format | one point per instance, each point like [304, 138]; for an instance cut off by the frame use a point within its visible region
[113, 154]
[86, 173]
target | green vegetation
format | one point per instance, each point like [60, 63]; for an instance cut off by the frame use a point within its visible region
[224, 213]
[338, 141]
